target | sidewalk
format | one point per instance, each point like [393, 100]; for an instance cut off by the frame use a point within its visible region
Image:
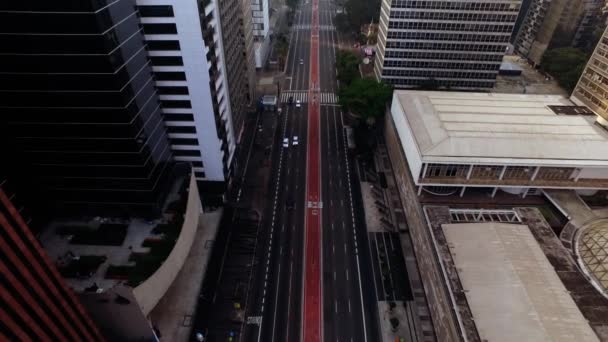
[384, 213]
[173, 314]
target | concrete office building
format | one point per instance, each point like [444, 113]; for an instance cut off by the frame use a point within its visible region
[593, 18]
[80, 111]
[592, 88]
[184, 41]
[432, 44]
[237, 42]
[261, 38]
[520, 144]
[547, 24]
[36, 304]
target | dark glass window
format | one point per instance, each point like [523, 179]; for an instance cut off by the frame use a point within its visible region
[166, 60]
[175, 104]
[181, 129]
[155, 11]
[197, 163]
[178, 117]
[184, 141]
[188, 153]
[199, 174]
[159, 28]
[170, 76]
[154, 45]
[172, 90]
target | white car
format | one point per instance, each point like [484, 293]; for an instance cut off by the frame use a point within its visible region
[295, 140]
[285, 142]
[298, 103]
[301, 61]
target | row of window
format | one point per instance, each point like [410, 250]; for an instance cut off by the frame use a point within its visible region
[438, 46]
[447, 26]
[456, 5]
[181, 129]
[172, 90]
[408, 82]
[178, 117]
[439, 74]
[591, 97]
[187, 153]
[463, 56]
[472, 37]
[441, 65]
[170, 75]
[484, 17]
[175, 104]
[167, 60]
[159, 28]
[155, 11]
[163, 45]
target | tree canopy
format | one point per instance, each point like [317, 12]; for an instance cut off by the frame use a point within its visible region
[347, 64]
[366, 98]
[565, 64]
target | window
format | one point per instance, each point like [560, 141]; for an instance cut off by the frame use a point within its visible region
[187, 153]
[155, 11]
[181, 129]
[166, 60]
[159, 28]
[199, 175]
[172, 90]
[170, 76]
[178, 117]
[175, 104]
[184, 141]
[197, 163]
[154, 45]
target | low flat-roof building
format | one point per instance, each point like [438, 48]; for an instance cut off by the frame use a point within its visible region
[515, 142]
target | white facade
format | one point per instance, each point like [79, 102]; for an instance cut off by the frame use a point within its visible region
[510, 141]
[193, 131]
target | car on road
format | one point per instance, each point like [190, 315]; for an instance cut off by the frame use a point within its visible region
[285, 142]
[298, 103]
[290, 203]
[295, 141]
[291, 100]
[301, 61]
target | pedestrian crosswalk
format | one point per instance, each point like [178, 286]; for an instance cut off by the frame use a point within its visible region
[321, 27]
[302, 96]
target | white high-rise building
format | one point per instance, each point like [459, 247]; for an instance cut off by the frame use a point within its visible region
[184, 42]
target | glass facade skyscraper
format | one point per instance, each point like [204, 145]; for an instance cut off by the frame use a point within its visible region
[79, 107]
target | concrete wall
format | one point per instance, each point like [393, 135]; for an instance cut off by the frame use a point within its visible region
[153, 289]
[444, 320]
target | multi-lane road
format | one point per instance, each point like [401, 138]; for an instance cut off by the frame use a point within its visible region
[313, 279]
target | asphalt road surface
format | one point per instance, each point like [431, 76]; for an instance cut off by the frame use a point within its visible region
[313, 280]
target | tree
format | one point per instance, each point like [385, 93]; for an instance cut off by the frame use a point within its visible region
[565, 64]
[347, 64]
[366, 98]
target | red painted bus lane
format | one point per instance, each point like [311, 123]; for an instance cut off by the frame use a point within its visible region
[312, 331]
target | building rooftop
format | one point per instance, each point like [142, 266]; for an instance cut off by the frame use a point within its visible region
[499, 128]
[513, 291]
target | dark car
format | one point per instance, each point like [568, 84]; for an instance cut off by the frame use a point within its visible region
[291, 100]
[290, 204]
